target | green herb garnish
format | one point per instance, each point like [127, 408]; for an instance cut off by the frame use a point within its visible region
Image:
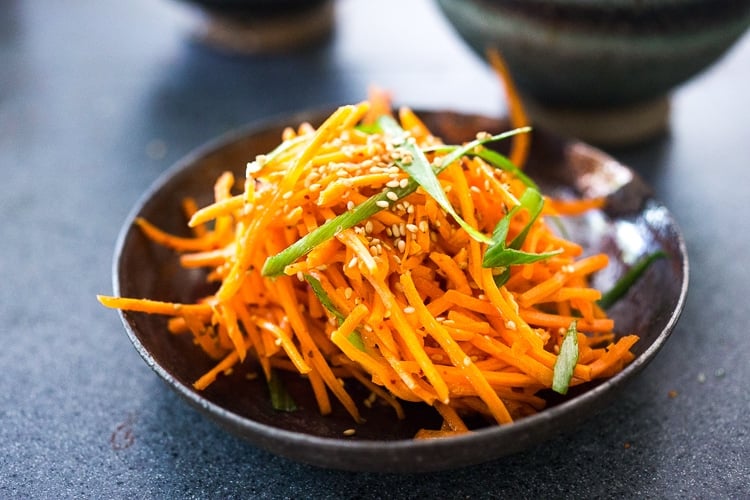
[566, 360]
[276, 264]
[281, 400]
[623, 284]
[500, 255]
[355, 337]
[413, 162]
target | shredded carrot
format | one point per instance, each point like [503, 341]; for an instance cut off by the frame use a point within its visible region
[409, 311]
[521, 143]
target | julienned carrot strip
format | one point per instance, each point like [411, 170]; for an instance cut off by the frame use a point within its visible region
[226, 206]
[172, 241]
[539, 318]
[615, 353]
[518, 118]
[411, 313]
[576, 206]
[452, 419]
[546, 288]
[455, 353]
[155, 306]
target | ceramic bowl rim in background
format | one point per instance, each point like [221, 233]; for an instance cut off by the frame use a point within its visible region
[602, 71]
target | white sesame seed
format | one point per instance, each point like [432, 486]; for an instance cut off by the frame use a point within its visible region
[401, 245]
[510, 325]
[392, 183]
[403, 182]
[368, 227]
[412, 228]
[391, 196]
[315, 187]
[300, 276]
[467, 361]
[382, 203]
[287, 195]
[409, 310]
[353, 262]
[348, 293]
[349, 205]
[423, 226]
[350, 432]
[395, 231]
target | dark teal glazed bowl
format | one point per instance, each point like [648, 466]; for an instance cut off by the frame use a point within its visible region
[581, 60]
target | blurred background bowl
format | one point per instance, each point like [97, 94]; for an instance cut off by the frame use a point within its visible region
[601, 70]
[253, 27]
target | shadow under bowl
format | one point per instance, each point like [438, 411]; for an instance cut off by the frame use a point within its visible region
[632, 220]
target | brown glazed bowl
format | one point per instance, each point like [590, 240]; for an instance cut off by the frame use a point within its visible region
[600, 70]
[634, 224]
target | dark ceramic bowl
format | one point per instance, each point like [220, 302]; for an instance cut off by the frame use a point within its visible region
[253, 27]
[615, 61]
[633, 225]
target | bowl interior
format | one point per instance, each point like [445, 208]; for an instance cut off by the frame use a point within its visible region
[634, 224]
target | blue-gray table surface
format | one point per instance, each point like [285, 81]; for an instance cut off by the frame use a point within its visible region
[97, 99]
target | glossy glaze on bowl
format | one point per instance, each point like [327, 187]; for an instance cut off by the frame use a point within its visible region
[600, 70]
[633, 221]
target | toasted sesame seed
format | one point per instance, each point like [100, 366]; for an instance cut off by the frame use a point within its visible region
[350, 432]
[368, 227]
[348, 293]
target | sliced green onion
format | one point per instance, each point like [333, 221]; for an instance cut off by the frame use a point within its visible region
[420, 170]
[494, 158]
[281, 400]
[511, 256]
[275, 264]
[500, 255]
[355, 337]
[566, 360]
[623, 284]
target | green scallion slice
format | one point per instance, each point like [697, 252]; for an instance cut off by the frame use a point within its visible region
[566, 360]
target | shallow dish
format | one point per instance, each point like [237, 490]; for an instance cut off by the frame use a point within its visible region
[633, 225]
